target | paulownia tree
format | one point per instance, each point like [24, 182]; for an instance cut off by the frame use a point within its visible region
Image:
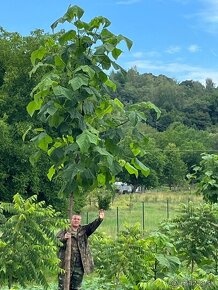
[84, 130]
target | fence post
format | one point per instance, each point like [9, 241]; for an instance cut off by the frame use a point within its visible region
[117, 220]
[143, 216]
[168, 214]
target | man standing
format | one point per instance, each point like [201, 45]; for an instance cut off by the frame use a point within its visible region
[81, 259]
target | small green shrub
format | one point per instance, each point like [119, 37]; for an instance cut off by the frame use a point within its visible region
[104, 200]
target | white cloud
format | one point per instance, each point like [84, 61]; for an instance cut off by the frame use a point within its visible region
[152, 53]
[145, 54]
[201, 74]
[173, 49]
[127, 2]
[193, 48]
[175, 70]
[137, 54]
[209, 15]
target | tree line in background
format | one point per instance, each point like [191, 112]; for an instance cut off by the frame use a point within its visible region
[173, 144]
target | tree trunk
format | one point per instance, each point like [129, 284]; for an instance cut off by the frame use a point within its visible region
[68, 250]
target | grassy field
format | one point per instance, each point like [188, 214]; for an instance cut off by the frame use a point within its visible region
[146, 209]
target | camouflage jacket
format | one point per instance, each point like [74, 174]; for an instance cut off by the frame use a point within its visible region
[83, 233]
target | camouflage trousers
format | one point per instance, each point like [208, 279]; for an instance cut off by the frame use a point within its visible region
[75, 279]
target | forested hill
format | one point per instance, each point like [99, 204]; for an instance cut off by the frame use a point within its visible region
[172, 144]
[188, 102]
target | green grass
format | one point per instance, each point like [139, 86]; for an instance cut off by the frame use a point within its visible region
[32, 287]
[146, 209]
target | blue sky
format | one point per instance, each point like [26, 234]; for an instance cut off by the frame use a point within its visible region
[176, 38]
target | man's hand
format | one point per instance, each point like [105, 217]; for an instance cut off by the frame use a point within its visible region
[67, 235]
[101, 214]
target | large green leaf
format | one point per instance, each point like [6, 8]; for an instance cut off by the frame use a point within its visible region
[118, 103]
[109, 47]
[133, 118]
[72, 13]
[116, 52]
[109, 157]
[85, 139]
[51, 172]
[145, 106]
[86, 69]
[62, 91]
[106, 34]
[104, 109]
[98, 21]
[55, 120]
[135, 148]
[127, 40]
[140, 166]
[38, 54]
[42, 141]
[79, 81]
[68, 36]
[163, 260]
[59, 63]
[32, 107]
[131, 169]
[102, 151]
[110, 84]
[101, 178]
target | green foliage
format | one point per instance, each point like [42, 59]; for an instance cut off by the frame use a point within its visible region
[132, 258]
[181, 255]
[194, 233]
[183, 136]
[79, 202]
[15, 51]
[28, 245]
[115, 259]
[93, 282]
[104, 199]
[207, 177]
[16, 172]
[198, 280]
[197, 108]
[163, 254]
[82, 126]
[157, 284]
[174, 168]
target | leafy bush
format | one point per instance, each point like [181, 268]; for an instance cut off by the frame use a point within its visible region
[207, 177]
[180, 255]
[28, 245]
[194, 234]
[104, 201]
[132, 258]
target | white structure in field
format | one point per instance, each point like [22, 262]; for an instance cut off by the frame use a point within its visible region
[122, 187]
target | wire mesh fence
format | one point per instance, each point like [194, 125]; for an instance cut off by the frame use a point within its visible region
[140, 210]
